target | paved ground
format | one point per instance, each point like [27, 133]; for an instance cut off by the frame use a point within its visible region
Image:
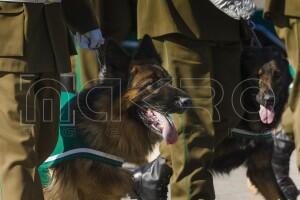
[234, 187]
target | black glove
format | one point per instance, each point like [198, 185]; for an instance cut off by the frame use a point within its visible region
[282, 150]
[151, 181]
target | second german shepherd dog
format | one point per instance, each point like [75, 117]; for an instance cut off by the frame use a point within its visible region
[125, 115]
[267, 72]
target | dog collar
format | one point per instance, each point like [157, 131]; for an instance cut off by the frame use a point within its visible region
[236, 132]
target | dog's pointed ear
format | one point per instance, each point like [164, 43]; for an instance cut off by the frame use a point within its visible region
[114, 61]
[146, 51]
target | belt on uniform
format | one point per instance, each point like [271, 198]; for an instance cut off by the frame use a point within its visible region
[33, 1]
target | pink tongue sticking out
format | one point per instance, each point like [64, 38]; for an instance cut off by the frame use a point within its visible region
[166, 126]
[266, 115]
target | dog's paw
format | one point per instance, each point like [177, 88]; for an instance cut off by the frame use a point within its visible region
[252, 188]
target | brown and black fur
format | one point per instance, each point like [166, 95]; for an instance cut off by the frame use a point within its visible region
[267, 70]
[101, 127]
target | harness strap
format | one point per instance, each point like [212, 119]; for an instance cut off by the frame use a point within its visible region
[90, 154]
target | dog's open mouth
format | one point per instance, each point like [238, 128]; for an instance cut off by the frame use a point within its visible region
[266, 114]
[160, 124]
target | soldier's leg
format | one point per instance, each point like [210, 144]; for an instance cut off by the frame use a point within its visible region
[289, 31]
[295, 96]
[18, 155]
[192, 65]
[192, 154]
[284, 140]
[47, 94]
[294, 51]
[297, 129]
[227, 90]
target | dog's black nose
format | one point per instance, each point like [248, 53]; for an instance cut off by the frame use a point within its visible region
[184, 102]
[269, 99]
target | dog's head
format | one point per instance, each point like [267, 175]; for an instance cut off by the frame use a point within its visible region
[147, 89]
[274, 81]
[268, 71]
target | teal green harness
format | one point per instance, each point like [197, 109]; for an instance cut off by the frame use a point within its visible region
[292, 71]
[293, 74]
[70, 146]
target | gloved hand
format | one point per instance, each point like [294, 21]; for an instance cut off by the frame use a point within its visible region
[90, 40]
[151, 181]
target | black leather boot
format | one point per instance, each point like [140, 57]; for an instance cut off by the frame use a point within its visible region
[282, 150]
[151, 181]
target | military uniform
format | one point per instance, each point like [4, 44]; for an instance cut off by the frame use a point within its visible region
[200, 46]
[285, 15]
[116, 19]
[35, 48]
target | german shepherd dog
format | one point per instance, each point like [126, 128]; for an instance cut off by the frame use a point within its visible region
[125, 115]
[267, 82]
